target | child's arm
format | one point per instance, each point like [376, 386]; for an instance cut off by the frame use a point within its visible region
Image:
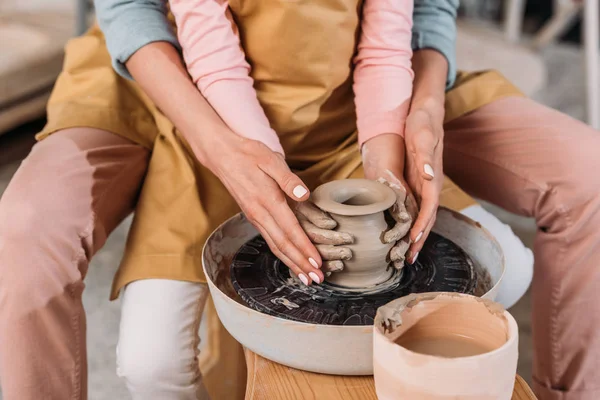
[383, 75]
[217, 65]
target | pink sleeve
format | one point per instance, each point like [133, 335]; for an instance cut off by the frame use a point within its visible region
[217, 65]
[383, 75]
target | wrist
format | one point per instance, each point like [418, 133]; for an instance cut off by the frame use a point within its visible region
[432, 105]
[431, 70]
[381, 153]
[211, 143]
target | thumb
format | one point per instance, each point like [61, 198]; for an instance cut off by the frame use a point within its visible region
[289, 182]
[425, 145]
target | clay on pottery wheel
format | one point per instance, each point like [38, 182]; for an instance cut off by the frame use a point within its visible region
[265, 284]
[358, 206]
[254, 311]
[470, 346]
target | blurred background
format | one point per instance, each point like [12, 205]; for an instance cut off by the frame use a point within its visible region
[548, 48]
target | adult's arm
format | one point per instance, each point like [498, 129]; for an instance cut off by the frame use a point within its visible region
[424, 138]
[129, 25]
[168, 85]
[434, 27]
[210, 47]
[256, 177]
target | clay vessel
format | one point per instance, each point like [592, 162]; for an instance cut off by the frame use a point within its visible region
[435, 346]
[357, 205]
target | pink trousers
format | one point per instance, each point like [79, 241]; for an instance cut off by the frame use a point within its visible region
[77, 185]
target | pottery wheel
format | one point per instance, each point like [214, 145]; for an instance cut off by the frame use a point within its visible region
[265, 284]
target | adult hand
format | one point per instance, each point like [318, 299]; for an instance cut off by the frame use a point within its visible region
[424, 138]
[256, 177]
[259, 180]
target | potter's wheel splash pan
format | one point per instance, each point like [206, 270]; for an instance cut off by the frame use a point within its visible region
[329, 349]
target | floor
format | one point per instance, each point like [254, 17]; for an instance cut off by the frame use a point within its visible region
[566, 94]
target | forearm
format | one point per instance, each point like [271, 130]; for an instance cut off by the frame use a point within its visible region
[169, 86]
[217, 65]
[434, 28]
[129, 25]
[383, 75]
[429, 87]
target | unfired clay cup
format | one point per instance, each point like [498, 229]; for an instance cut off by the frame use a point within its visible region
[358, 206]
[409, 322]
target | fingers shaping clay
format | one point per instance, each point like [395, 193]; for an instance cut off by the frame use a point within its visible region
[317, 217]
[470, 346]
[358, 205]
[324, 236]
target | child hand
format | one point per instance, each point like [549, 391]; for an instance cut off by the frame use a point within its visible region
[383, 160]
[404, 212]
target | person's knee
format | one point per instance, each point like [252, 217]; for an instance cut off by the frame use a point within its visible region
[159, 337]
[34, 268]
[25, 218]
[149, 369]
[139, 367]
[38, 250]
[50, 194]
[30, 205]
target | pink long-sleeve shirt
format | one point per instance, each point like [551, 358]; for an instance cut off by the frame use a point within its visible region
[382, 74]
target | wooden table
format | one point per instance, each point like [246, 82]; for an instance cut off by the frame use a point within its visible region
[268, 380]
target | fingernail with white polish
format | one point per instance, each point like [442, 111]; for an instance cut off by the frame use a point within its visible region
[419, 236]
[299, 191]
[303, 278]
[313, 262]
[428, 170]
[414, 260]
[314, 277]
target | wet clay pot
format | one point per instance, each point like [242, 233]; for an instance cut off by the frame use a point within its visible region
[440, 346]
[358, 206]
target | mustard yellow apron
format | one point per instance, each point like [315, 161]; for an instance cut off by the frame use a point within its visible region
[306, 91]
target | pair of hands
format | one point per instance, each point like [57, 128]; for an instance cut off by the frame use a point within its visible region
[261, 183]
[412, 167]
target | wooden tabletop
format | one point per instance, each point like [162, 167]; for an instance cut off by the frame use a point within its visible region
[268, 380]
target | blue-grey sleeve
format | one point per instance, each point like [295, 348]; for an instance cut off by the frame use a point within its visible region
[434, 27]
[129, 25]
